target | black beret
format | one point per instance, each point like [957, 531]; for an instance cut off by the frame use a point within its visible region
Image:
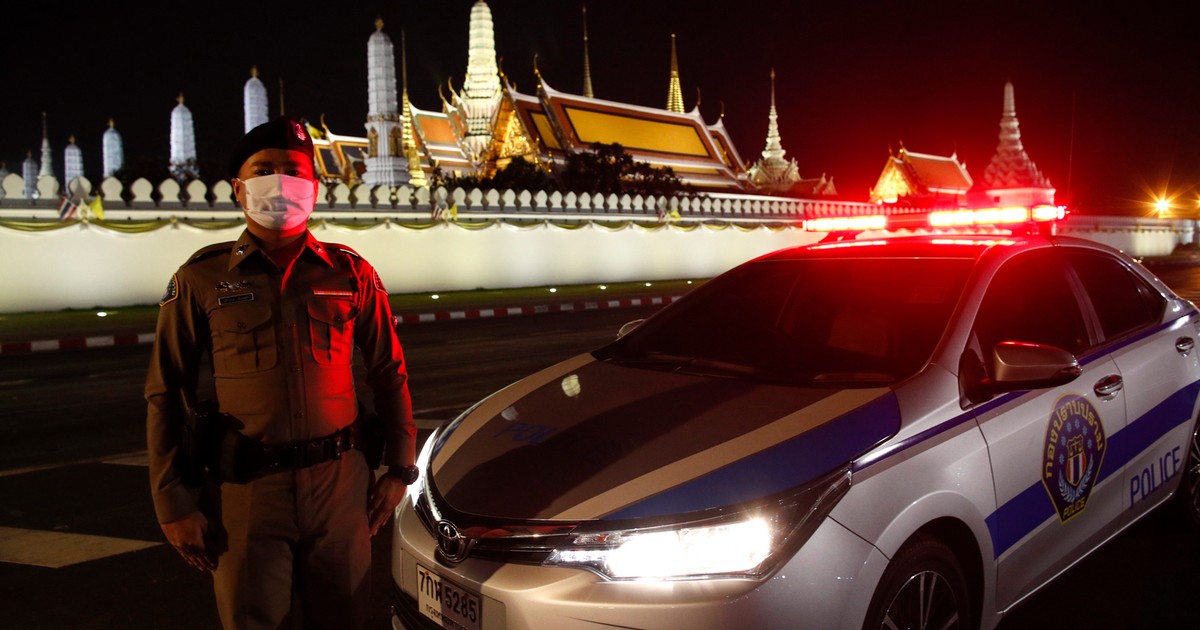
[285, 132]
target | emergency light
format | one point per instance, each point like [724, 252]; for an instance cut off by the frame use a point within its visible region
[1008, 217]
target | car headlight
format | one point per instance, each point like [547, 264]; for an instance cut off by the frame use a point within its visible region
[744, 544]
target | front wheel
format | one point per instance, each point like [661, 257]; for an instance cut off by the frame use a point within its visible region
[922, 588]
[1188, 496]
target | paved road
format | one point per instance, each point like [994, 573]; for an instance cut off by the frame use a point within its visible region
[73, 489]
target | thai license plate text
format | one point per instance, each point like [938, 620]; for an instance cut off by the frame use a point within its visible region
[446, 603]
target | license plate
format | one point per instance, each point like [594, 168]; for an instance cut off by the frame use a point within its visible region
[446, 603]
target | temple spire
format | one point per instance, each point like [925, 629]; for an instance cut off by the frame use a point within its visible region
[587, 66]
[674, 90]
[773, 172]
[385, 158]
[1012, 177]
[47, 166]
[481, 87]
[416, 176]
[113, 150]
[183, 164]
[254, 102]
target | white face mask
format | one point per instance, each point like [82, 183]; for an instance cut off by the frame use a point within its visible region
[279, 202]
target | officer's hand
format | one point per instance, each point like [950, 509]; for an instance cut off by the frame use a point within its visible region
[386, 494]
[186, 535]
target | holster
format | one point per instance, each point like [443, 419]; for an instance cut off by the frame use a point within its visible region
[370, 436]
[203, 429]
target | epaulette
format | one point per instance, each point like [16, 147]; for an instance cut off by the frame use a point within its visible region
[209, 251]
[346, 249]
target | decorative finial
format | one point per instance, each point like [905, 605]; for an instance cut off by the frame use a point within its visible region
[674, 90]
[179, 99]
[112, 124]
[379, 23]
[587, 64]
[697, 96]
[536, 71]
[403, 61]
[71, 139]
[254, 71]
[45, 133]
[722, 108]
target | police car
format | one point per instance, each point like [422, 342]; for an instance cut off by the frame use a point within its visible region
[896, 432]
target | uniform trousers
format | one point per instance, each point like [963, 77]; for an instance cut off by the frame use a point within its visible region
[296, 549]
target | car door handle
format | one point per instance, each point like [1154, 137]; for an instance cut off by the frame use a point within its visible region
[1184, 345]
[1108, 386]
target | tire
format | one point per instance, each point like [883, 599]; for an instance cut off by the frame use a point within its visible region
[922, 588]
[1187, 498]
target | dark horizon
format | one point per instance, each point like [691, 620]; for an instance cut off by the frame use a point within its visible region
[1107, 101]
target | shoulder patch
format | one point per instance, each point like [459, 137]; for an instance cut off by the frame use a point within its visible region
[171, 292]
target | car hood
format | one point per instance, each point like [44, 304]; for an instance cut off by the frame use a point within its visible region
[587, 440]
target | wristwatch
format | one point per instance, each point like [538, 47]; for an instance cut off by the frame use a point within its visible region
[406, 474]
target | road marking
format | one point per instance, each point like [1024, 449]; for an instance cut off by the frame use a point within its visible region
[55, 550]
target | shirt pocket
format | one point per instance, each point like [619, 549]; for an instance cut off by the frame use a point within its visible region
[243, 340]
[331, 325]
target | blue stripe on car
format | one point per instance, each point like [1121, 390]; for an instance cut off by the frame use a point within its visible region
[787, 465]
[1029, 509]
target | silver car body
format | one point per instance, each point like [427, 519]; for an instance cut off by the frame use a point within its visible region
[982, 476]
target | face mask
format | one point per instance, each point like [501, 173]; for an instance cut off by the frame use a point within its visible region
[279, 202]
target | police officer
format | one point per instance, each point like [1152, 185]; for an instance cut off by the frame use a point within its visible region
[278, 314]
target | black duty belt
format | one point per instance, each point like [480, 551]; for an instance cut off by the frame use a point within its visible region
[310, 453]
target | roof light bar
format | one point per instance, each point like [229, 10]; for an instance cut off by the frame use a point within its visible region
[846, 224]
[995, 216]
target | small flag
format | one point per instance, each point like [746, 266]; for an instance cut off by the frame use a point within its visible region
[96, 207]
[453, 212]
[66, 209]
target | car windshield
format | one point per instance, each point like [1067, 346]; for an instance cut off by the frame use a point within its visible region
[844, 322]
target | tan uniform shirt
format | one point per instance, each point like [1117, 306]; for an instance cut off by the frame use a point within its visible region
[281, 344]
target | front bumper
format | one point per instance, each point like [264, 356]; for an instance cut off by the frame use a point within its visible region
[827, 584]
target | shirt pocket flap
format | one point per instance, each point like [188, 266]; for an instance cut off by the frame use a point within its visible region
[333, 311]
[241, 318]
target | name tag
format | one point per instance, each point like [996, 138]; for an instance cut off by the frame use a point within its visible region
[233, 299]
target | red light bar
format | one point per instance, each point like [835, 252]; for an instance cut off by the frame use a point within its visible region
[995, 216]
[846, 224]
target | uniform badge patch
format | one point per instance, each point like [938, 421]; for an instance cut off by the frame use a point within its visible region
[230, 287]
[1074, 450]
[171, 292]
[234, 299]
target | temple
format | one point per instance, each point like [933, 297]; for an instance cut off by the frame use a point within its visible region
[486, 123]
[923, 180]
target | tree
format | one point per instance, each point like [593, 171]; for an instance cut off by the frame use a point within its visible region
[607, 169]
[518, 174]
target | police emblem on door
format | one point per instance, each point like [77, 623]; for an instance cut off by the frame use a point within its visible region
[1072, 455]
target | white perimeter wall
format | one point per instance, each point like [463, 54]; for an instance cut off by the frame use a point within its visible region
[84, 266]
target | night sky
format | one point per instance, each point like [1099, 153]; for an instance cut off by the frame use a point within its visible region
[1109, 101]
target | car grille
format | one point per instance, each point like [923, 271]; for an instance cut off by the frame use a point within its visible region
[521, 548]
[404, 608]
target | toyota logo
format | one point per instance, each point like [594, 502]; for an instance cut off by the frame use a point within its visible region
[453, 547]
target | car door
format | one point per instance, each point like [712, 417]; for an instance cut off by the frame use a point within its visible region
[1157, 359]
[1056, 494]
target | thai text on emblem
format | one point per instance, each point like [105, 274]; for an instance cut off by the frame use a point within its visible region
[1074, 450]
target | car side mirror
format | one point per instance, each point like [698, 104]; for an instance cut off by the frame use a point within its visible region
[628, 327]
[1019, 365]
[1015, 366]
